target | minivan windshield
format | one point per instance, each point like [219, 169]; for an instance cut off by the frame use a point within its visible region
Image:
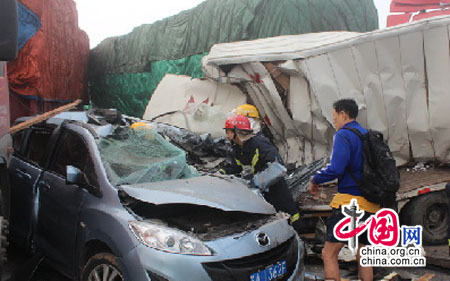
[141, 155]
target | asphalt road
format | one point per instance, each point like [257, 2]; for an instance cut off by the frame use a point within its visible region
[22, 267]
[20, 264]
[314, 271]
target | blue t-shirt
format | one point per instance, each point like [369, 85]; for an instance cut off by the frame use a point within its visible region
[346, 154]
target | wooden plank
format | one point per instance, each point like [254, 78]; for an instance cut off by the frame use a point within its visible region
[42, 117]
[393, 276]
[426, 277]
[281, 77]
[319, 214]
[308, 235]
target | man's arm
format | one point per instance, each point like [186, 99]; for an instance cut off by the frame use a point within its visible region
[339, 160]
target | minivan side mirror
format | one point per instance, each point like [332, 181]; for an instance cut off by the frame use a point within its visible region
[76, 176]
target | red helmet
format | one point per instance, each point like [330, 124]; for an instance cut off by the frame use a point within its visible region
[239, 122]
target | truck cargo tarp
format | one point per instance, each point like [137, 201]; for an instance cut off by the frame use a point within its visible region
[130, 92]
[416, 10]
[398, 19]
[402, 91]
[421, 2]
[194, 31]
[51, 67]
[29, 24]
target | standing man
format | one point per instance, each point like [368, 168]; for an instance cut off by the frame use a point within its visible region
[346, 159]
[257, 152]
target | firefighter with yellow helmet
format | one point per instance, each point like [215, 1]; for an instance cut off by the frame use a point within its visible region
[256, 151]
[252, 113]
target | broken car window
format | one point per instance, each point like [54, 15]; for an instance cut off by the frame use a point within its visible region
[132, 156]
[39, 138]
[73, 151]
[18, 139]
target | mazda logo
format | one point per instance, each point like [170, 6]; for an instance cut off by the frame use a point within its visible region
[262, 239]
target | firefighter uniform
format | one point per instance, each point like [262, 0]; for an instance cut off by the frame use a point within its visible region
[257, 152]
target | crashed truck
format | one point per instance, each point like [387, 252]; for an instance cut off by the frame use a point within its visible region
[8, 51]
[398, 76]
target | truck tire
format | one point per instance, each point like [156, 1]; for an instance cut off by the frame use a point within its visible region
[3, 242]
[102, 266]
[431, 211]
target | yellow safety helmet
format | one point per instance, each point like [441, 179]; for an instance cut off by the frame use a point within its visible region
[140, 125]
[247, 110]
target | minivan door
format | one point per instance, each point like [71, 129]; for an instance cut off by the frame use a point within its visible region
[60, 203]
[25, 168]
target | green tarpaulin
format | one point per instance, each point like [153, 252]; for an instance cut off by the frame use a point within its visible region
[130, 92]
[125, 70]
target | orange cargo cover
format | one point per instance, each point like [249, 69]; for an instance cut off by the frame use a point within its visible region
[51, 67]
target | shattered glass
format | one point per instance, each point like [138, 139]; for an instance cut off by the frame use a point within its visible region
[142, 155]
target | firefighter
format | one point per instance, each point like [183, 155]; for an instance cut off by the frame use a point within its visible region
[257, 152]
[252, 113]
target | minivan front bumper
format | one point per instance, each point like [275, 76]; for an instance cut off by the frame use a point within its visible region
[234, 257]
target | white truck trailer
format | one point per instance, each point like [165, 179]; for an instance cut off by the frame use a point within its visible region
[399, 76]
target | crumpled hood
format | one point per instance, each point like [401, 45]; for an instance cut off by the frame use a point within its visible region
[219, 192]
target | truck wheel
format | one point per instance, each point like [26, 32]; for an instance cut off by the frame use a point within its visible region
[3, 242]
[431, 211]
[102, 266]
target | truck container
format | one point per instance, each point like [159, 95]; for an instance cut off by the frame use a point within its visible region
[398, 76]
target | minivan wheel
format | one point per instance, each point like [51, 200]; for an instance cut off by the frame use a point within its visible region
[102, 266]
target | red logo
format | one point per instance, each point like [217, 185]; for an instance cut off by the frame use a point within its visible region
[383, 227]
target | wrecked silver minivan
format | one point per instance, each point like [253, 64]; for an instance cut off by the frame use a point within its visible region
[120, 202]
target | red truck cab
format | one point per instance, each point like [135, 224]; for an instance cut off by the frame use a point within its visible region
[8, 51]
[4, 100]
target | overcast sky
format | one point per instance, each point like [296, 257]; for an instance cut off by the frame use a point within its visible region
[105, 18]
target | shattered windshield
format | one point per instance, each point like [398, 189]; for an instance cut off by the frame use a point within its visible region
[141, 155]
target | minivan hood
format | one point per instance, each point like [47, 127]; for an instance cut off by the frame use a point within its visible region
[221, 192]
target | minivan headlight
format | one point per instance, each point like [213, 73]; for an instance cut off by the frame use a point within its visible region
[167, 239]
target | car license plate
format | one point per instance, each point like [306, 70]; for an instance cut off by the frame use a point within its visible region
[272, 272]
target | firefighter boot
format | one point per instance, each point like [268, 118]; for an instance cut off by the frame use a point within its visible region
[299, 224]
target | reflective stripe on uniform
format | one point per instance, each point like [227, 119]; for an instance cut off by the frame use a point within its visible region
[255, 159]
[222, 171]
[295, 217]
[239, 163]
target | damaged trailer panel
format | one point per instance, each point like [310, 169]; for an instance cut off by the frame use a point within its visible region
[199, 105]
[397, 75]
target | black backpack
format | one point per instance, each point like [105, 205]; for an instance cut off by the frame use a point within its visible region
[381, 179]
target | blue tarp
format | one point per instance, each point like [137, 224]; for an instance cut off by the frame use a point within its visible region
[29, 24]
